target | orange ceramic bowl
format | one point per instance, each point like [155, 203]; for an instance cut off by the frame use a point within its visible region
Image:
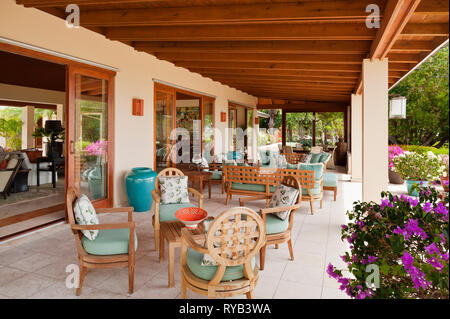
[191, 216]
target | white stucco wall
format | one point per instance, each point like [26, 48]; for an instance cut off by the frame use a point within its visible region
[133, 134]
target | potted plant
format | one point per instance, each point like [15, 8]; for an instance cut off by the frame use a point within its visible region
[55, 138]
[394, 177]
[418, 169]
[398, 249]
[444, 177]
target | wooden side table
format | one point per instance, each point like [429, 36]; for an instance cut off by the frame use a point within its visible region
[171, 232]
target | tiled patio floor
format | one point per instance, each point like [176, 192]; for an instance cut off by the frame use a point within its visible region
[34, 266]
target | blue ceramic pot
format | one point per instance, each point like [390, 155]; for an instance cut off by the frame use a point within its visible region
[413, 191]
[140, 182]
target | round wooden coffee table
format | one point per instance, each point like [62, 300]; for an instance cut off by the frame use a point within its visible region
[201, 177]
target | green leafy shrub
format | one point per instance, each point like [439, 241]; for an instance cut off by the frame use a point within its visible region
[424, 149]
[418, 166]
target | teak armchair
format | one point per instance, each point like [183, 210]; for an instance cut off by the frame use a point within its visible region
[282, 237]
[88, 260]
[232, 241]
[156, 194]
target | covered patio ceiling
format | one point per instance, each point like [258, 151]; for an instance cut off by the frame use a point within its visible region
[291, 50]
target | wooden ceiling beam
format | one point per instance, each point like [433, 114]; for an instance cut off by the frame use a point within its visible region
[305, 46]
[263, 57]
[409, 46]
[253, 32]
[396, 15]
[348, 10]
[433, 7]
[293, 83]
[269, 66]
[303, 105]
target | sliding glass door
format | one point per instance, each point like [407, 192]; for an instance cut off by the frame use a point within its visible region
[175, 108]
[90, 134]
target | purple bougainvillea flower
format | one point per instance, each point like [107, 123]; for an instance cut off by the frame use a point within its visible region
[417, 277]
[427, 207]
[433, 261]
[386, 203]
[371, 259]
[344, 227]
[432, 249]
[442, 210]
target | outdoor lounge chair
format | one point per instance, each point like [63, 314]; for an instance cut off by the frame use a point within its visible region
[166, 212]
[113, 247]
[277, 230]
[242, 233]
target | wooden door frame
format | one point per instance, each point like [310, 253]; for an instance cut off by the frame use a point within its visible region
[10, 48]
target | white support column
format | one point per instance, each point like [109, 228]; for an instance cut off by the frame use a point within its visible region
[356, 139]
[27, 127]
[374, 129]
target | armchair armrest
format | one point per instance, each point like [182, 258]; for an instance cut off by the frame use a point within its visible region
[104, 226]
[251, 198]
[278, 209]
[128, 210]
[187, 238]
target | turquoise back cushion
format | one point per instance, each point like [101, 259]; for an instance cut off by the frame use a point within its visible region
[317, 168]
[323, 157]
[315, 158]
[265, 159]
[291, 166]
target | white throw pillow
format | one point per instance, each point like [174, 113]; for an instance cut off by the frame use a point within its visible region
[85, 215]
[283, 196]
[174, 189]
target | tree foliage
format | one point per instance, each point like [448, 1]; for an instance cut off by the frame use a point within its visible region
[426, 90]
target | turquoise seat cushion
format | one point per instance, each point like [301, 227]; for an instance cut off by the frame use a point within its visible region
[291, 166]
[314, 191]
[315, 157]
[323, 157]
[167, 211]
[194, 261]
[252, 187]
[216, 175]
[330, 180]
[317, 168]
[275, 225]
[109, 242]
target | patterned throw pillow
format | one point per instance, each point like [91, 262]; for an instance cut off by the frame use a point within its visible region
[283, 196]
[85, 215]
[174, 189]
[315, 157]
[306, 158]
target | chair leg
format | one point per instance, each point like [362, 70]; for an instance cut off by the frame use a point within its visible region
[291, 251]
[82, 276]
[161, 248]
[223, 187]
[335, 193]
[156, 239]
[262, 257]
[311, 205]
[276, 246]
[228, 198]
[321, 203]
[131, 277]
[249, 294]
[183, 288]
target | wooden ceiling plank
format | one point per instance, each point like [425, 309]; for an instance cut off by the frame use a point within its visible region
[305, 46]
[426, 29]
[243, 13]
[285, 31]
[263, 57]
[270, 66]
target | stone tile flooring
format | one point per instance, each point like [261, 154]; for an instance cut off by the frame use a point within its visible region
[34, 266]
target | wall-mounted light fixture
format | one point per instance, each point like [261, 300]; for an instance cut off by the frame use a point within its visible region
[397, 107]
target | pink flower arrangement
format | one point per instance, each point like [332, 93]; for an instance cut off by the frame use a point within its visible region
[393, 151]
[97, 148]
